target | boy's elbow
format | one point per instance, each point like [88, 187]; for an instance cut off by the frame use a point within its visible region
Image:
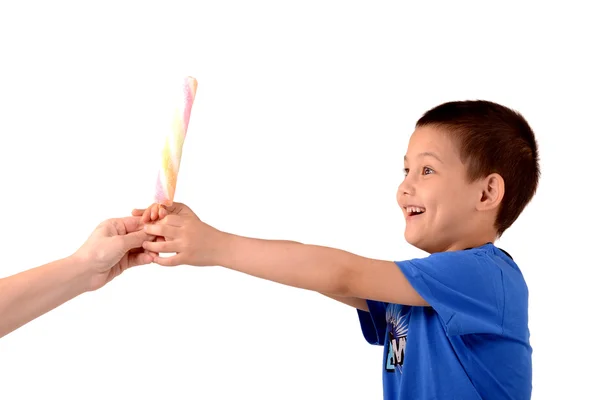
[377, 280]
[344, 282]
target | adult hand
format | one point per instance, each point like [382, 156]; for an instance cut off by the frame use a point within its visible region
[114, 246]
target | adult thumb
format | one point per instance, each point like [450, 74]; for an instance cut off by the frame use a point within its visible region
[136, 239]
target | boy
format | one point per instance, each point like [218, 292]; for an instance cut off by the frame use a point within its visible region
[453, 324]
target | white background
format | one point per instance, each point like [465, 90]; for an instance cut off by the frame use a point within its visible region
[300, 123]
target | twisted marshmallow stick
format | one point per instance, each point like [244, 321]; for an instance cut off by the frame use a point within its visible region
[171, 154]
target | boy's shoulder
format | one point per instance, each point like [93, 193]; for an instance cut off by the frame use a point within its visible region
[484, 260]
[487, 251]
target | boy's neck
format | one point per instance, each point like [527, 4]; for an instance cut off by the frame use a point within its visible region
[476, 240]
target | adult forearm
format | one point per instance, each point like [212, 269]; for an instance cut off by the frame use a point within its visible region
[32, 293]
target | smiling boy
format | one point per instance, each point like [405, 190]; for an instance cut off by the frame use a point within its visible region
[454, 324]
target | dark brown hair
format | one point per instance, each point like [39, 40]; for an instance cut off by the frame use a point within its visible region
[493, 139]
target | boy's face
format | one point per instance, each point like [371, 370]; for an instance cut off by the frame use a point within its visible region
[438, 202]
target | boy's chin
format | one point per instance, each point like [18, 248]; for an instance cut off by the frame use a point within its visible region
[420, 241]
[415, 240]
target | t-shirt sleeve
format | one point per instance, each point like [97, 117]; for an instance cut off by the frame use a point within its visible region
[373, 323]
[463, 287]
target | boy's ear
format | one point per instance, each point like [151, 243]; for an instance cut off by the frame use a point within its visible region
[492, 192]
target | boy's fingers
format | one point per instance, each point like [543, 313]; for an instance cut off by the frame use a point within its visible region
[172, 220]
[150, 253]
[163, 230]
[162, 212]
[168, 261]
[146, 215]
[136, 212]
[161, 247]
[155, 211]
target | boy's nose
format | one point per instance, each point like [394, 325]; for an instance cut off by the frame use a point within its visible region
[406, 188]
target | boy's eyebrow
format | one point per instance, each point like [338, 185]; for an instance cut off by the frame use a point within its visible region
[425, 154]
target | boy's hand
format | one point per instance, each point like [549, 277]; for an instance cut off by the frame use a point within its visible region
[180, 231]
[157, 211]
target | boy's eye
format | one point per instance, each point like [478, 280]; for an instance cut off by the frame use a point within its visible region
[426, 171]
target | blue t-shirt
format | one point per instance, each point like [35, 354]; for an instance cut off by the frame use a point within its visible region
[473, 340]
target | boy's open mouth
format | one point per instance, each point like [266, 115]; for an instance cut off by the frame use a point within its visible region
[414, 210]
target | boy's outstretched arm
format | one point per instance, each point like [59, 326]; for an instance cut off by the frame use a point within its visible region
[355, 302]
[360, 304]
[322, 269]
[318, 268]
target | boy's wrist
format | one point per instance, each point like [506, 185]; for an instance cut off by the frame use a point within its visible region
[225, 249]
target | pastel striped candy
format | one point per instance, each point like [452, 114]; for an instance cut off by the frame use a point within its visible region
[173, 147]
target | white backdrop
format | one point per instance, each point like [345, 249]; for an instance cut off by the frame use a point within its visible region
[300, 123]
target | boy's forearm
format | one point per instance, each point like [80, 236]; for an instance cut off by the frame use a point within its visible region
[32, 293]
[311, 267]
[355, 302]
[345, 276]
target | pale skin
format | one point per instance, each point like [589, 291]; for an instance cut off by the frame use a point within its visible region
[454, 214]
[113, 247]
